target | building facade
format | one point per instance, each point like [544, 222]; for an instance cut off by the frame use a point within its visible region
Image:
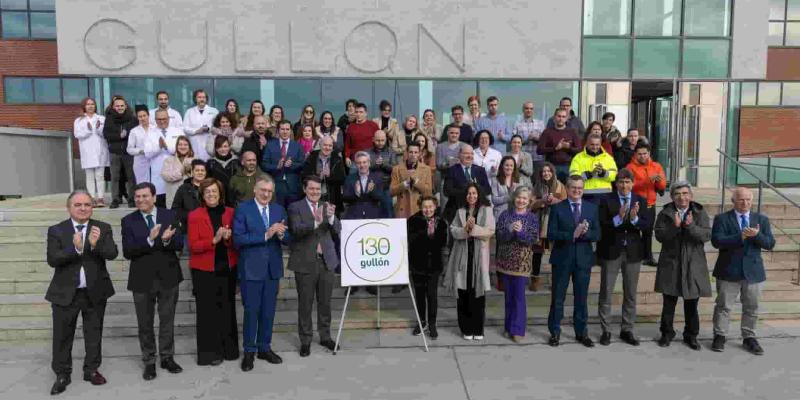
[693, 75]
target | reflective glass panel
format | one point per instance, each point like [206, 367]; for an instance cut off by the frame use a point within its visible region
[43, 25]
[18, 90]
[15, 24]
[606, 17]
[656, 58]
[293, 94]
[705, 58]
[707, 18]
[74, 89]
[658, 18]
[47, 90]
[769, 93]
[606, 58]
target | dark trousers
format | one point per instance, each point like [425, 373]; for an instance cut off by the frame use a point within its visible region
[536, 261]
[217, 331]
[580, 288]
[647, 233]
[283, 195]
[122, 164]
[310, 285]
[145, 303]
[692, 324]
[426, 296]
[471, 312]
[65, 319]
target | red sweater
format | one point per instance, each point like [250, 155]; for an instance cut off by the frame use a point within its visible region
[201, 236]
[359, 137]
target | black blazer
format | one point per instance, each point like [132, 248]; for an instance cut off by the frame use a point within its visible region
[334, 181]
[424, 252]
[455, 185]
[627, 235]
[66, 262]
[367, 205]
[151, 263]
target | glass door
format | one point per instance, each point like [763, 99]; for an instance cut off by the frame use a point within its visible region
[701, 121]
[598, 98]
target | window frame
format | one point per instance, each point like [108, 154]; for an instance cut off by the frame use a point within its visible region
[785, 21]
[33, 90]
[28, 11]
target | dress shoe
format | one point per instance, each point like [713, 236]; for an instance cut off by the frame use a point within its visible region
[751, 345]
[170, 365]
[477, 337]
[554, 340]
[468, 337]
[432, 332]
[305, 350]
[417, 331]
[665, 339]
[149, 372]
[718, 344]
[60, 385]
[536, 283]
[114, 204]
[270, 356]
[328, 344]
[651, 262]
[247, 361]
[215, 362]
[585, 340]
[605, 339]
[629, 338]
[94, 377]
[692, 343]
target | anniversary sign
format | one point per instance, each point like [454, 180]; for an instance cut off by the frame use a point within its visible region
[374, 252]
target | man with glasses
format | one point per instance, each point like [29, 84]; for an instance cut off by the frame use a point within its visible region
[465, 130]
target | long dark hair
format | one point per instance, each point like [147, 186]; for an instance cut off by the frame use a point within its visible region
[333, 122]
[542, 187]
[501, 177]
[230, 117]
[482, 200]
[251, 117]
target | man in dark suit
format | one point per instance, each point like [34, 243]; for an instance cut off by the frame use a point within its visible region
[329, 167]
[259, 229]
[622, 220]
[363, 191]
[457, 179]
[313, 224]
[573, 226]
[740, 235]
[149, 242]
[283, 160]
[77, 250]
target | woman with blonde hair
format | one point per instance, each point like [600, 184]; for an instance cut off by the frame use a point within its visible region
[177, 168]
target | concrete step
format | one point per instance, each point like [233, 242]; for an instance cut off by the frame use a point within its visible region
[40, 328]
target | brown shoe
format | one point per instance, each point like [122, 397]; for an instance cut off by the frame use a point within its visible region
[536, 283]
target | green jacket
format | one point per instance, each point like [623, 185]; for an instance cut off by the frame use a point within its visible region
[241, 187]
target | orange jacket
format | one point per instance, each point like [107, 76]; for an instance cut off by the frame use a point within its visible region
[642, 185]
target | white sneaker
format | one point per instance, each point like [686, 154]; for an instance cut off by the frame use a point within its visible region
[468, 337]
[477, 337]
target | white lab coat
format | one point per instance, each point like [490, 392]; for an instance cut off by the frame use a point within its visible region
[148, 156]
[175, 120]
[93, 146]
[194, 120]
[491, 160]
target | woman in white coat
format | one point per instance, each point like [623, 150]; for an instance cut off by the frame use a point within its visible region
[88, 129]
[150, 148]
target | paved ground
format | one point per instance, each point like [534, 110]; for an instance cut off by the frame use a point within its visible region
[390, 364]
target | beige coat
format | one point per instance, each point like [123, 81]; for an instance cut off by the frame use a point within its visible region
[456, 273]
[407, 198]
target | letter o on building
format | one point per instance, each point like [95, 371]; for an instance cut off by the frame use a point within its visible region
[371, 47]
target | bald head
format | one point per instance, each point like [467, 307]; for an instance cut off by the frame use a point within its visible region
[742, 199]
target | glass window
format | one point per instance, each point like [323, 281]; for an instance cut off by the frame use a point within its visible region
[180, 91]
[43, 5]
[606, 58]
[775, 37]
[335, 92]
[707, 18]
[749, 90]
[545, 96]
[47, 90]
[793, 34]
[656, 58]
[658, 18]
[791, 94]
[777, 9]
[293, 94]
[793, 12]
[606, 17]
[705, 58]
[447, 94]
[403, 94]
[74, 89]
[135, 91]
[769, 93]
[244, 91]
[43, 25]
[18, 90]
[14, 4]
[15, 24]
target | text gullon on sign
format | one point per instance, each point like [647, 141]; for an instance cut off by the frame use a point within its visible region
[377, 249]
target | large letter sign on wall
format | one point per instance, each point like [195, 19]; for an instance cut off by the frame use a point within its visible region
[374, 252]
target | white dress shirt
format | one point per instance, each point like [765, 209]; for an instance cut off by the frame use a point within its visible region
[319, 204]
[175, 120]
[194, 120]
[617, 220]
[82, 274]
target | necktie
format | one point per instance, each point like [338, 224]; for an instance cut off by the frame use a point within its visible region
[326, 169]
[283, 149]
[264, 216]
[625, 203]
[431, 226]
[745, 224]
[314, 211]
[467, 174]
[164, 132]
[80, 227]
[149, 219]
[576, 212]
[201, 110]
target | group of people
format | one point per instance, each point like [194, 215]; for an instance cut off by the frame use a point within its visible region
[484, 202]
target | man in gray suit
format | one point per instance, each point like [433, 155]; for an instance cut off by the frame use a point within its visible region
[313, 259]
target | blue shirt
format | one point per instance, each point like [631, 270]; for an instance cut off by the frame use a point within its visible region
[495, 125]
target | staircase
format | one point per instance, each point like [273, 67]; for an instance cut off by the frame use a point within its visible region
[25, 276]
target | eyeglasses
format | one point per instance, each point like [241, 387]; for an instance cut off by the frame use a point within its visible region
[309, 111]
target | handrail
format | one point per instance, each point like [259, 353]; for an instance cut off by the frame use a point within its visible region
[769, 152]
[771, 166]
[760, 181]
